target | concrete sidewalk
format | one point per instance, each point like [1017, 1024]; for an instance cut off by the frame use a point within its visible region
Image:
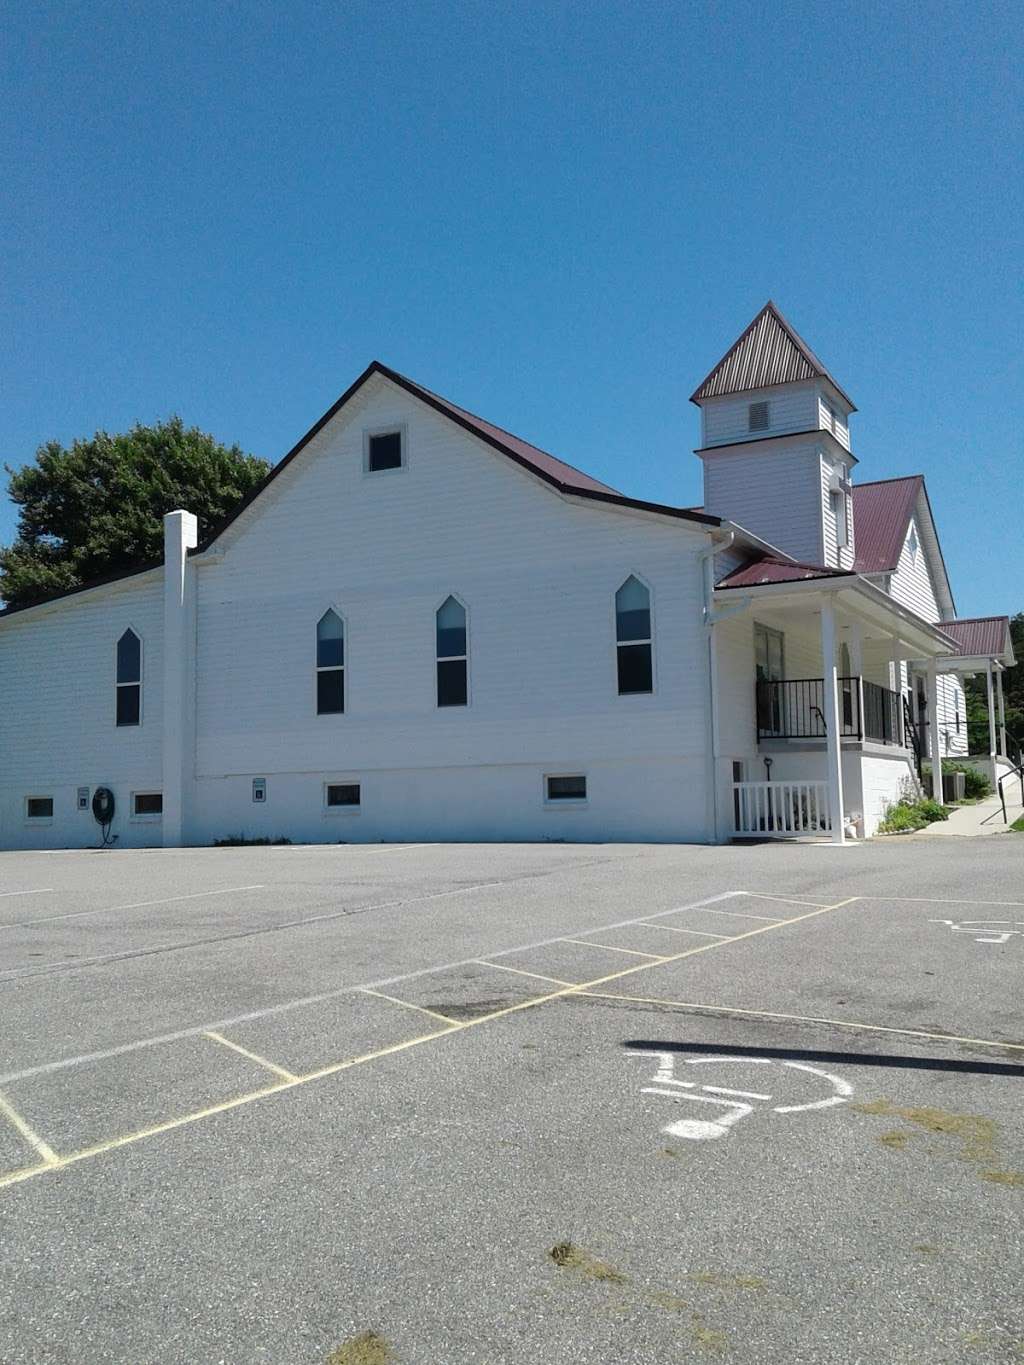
[984, 818]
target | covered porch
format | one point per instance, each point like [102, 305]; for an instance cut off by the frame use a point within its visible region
[832, 740]
[985, 649]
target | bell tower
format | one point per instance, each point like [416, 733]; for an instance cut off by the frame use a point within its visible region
[775, 442]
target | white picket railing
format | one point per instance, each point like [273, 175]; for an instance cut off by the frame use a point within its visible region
[779, 810]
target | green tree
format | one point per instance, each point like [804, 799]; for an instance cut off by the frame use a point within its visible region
[97, 508]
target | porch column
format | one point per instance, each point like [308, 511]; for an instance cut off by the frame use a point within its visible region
[935, 743]
[1002, 713]
[180, 536]
[991, 713]
[895, 679]
[834, 751]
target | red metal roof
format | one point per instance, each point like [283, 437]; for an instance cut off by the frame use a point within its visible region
[769, 569]
[881, 515]
[769, 352]
[539, 459]
[986, 637]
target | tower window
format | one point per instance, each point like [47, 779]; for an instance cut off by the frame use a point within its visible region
[757, 416]
[838, 499]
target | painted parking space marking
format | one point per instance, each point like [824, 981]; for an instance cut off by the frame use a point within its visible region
[537, 976]
[252, 1056]
[739, 914]
[409, 1005]
[450, 1026]
[133, 905]
[322, 997]
[25, 1129]
[731, 1103]
[700, 933]
[985, 930]
[786, 900]
[725, 1011]
[633, 952]
[35, 891]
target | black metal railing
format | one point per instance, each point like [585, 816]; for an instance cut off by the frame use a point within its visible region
[795, 709]
[883, 714]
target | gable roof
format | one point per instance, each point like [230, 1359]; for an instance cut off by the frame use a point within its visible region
[881, 516]
[771, 569]
[564, 477]
[769, 352]
[981, 636]
[555, 472]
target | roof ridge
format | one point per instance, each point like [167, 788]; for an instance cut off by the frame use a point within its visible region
[895, 478]
[388, 370]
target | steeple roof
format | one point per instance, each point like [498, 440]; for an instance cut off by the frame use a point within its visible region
[769, 352]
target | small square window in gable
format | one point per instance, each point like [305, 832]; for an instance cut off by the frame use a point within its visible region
[384, 451]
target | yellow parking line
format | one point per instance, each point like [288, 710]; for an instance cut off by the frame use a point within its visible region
[786, 900]
[701, 933]
[537, 976]
[366, 990]
[252, 1056]
[799, 1019]
[633, 952]
[451, 1026]
[28, 1133]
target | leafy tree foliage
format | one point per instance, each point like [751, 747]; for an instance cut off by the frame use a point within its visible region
[97, 508]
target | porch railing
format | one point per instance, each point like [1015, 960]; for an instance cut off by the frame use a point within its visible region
[795, 709]
[780, 810]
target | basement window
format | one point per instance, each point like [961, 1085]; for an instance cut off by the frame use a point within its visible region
[39, 807]
[147, 803]
[757, 416]
[342, 796]
[566, 788]
[383, 451]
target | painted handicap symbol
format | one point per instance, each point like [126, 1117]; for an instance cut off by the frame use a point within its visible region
[985, 930]
[732, 1104]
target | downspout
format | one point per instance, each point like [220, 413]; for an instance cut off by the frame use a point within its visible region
[711, 617]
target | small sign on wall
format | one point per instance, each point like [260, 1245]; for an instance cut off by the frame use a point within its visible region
[83, 798]
[259, 789]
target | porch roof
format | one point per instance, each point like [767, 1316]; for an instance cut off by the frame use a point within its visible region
[982, 637]
[851, 593]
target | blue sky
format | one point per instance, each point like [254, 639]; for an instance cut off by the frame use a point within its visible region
[557, 215]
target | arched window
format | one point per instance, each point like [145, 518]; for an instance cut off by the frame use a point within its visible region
[633, 637]
[452, 655]
[330, 665]
[129, 679]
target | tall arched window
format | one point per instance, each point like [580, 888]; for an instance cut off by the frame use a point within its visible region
[452, 655]
[633, 637]
[330, 665]
[129, 679]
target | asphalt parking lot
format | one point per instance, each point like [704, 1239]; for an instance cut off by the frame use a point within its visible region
[434, 1105]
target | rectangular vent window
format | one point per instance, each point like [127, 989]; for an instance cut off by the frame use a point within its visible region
[757, 417]
[342, 794]
[148, 803]
[572, 788]
[39, 807]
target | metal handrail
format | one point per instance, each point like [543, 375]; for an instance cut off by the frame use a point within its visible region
[1018, 772]
[793, 708]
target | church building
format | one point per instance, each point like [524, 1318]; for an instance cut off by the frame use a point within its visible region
[421, 627]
